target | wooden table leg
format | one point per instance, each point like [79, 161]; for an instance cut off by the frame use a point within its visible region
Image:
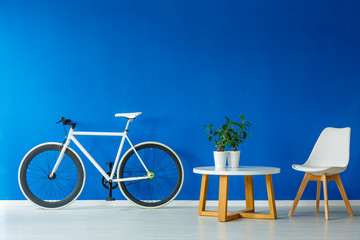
[271, 197]
[203, 193]
[223, 198]
[249, 193]
[249, 213]
[222, 213]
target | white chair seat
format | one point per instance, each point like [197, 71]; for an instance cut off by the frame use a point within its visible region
[128, 115]
[318, 171]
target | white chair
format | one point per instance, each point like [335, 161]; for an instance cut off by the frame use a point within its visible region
[329, 157]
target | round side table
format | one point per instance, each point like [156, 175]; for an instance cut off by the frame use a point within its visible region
[248, 172]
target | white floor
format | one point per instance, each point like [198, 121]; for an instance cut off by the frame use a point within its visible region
[113, 220]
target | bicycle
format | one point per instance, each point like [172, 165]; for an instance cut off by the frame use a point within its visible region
[149, 174]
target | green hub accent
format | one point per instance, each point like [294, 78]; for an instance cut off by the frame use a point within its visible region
[151, 175]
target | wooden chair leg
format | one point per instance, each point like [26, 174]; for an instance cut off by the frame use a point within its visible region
[343, 194]
[300, 192]
[324, 180]
[318, 196]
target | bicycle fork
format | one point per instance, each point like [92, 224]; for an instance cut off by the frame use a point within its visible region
[64, 147]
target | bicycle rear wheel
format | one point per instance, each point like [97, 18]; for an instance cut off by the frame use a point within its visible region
[51, 192]
[167, 170]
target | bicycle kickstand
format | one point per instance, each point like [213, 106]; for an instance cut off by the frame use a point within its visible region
[110, 198]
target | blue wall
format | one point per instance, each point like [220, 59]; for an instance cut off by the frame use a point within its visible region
[292, 67]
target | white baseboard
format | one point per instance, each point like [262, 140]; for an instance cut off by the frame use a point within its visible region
[189, 203]
[265, 203]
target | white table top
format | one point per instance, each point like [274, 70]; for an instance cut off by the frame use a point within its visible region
[242, 170]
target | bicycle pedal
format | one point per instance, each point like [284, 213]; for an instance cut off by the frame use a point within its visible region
[110, 199]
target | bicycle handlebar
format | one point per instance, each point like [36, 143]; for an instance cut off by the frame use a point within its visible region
[65, 121]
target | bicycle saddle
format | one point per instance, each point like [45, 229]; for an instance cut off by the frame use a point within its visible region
[128, 115]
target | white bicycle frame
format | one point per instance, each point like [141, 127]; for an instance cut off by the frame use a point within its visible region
[124, 136]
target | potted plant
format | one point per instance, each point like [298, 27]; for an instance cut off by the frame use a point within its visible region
[219, 138]
[236, 134]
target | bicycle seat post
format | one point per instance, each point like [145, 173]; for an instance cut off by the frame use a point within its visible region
[127, 124]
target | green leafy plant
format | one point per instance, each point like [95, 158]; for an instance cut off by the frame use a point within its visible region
[229, 135]
[217, 135]
[237, 132]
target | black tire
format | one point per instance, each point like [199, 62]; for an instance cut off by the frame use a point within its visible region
[59, 191]
[163, 163]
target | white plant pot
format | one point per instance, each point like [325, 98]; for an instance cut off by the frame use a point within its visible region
[220, 159]
[233, 159]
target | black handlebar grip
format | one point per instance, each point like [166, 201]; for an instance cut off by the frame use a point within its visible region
[61, 120]
[66, 122]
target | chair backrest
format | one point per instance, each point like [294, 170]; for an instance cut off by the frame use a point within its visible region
[331, 149]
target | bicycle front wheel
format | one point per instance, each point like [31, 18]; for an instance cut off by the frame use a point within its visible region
[56, 191]
[167, 175]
